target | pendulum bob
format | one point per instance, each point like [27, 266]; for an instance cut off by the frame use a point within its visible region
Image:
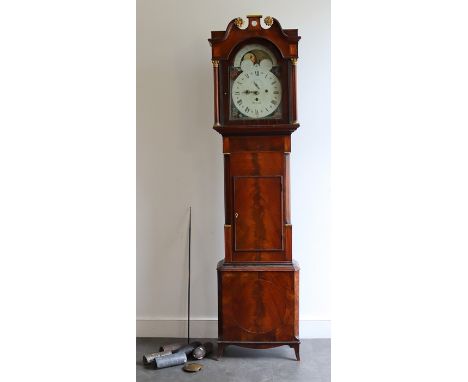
[192, 367]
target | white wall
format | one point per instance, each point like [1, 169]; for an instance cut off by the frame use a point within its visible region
[179, 161]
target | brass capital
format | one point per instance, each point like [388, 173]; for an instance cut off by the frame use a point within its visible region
[215, 63]
[294, 60]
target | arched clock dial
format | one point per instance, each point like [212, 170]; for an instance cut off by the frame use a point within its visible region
[255, 90]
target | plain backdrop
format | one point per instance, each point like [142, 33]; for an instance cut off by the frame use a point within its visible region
[398, 186]
[180, 162]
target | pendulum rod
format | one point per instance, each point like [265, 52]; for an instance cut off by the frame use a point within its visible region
[188, 287]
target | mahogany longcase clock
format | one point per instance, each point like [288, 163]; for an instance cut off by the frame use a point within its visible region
[254, 68]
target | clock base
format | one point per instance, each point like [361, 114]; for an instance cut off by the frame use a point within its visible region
[258, 305]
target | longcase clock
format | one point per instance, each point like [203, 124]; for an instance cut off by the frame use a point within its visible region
[254, 70]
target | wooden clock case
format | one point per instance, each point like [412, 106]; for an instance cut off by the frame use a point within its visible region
[258, 281]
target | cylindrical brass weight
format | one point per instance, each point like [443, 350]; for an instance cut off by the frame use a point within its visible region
[171, 347]
[170, 360]
[187, 349]
[149, 358]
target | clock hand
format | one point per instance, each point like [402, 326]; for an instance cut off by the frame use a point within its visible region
[256, 85]
[251, 91]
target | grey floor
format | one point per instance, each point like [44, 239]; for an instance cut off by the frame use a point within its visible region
[243, 365]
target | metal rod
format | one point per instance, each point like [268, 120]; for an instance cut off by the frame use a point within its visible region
[189, 259]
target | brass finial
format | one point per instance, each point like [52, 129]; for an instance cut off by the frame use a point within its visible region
[239, 22]
[268, 21]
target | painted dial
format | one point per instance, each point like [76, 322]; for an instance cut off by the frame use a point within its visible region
[256, 92]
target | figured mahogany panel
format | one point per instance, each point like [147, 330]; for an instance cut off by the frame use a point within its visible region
[227, 190]
[259, 257]
[265, 311]
[258, 305]
[258, 234]
[296, 308]
[287, 191]
[288, 241]
[228, 242]
[257, 163]
[275, 143]
[258, 213]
